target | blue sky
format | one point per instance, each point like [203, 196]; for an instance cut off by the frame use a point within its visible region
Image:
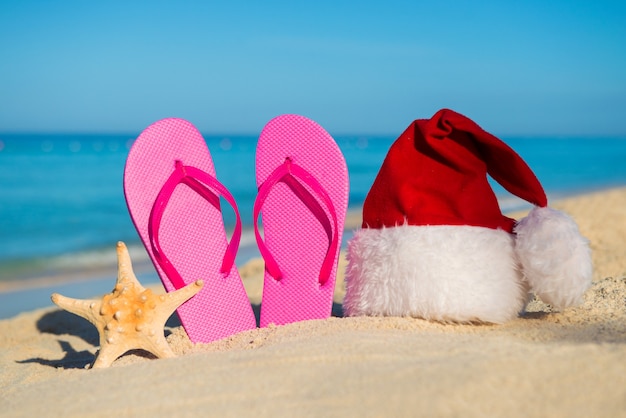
[369, 67]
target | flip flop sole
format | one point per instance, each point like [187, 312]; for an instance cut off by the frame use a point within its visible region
[292, 233]
[191, 232]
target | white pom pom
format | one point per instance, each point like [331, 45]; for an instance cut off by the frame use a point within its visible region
[555, 257]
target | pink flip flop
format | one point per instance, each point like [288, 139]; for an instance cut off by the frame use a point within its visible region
[174, 201]
[303, 198]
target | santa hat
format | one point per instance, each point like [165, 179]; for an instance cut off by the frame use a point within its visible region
[435, 245]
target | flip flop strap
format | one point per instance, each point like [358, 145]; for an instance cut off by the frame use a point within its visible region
[292, 174]
[194, 178]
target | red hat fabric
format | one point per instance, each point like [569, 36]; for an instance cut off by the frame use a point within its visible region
[436, 174]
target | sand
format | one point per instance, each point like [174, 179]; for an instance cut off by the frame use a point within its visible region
[545, 363]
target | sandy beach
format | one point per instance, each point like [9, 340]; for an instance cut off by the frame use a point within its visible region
[542, 364]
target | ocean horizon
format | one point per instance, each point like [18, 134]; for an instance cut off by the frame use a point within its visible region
[62, 206]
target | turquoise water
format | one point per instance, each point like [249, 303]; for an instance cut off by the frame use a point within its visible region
[62, 202]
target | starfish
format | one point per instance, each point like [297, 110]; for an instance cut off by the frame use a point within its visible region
[131, 317]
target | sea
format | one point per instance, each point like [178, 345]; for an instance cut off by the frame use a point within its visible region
[62, 206]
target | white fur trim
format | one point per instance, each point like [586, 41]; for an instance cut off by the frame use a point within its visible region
[555, 258]
[443, 273]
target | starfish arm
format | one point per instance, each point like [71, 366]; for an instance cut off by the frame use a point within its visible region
[83, 308]
[172, 300]
[108, 354]
[159, 347]
[125, 271]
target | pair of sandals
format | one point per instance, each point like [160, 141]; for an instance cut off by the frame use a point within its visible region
[173, 197]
